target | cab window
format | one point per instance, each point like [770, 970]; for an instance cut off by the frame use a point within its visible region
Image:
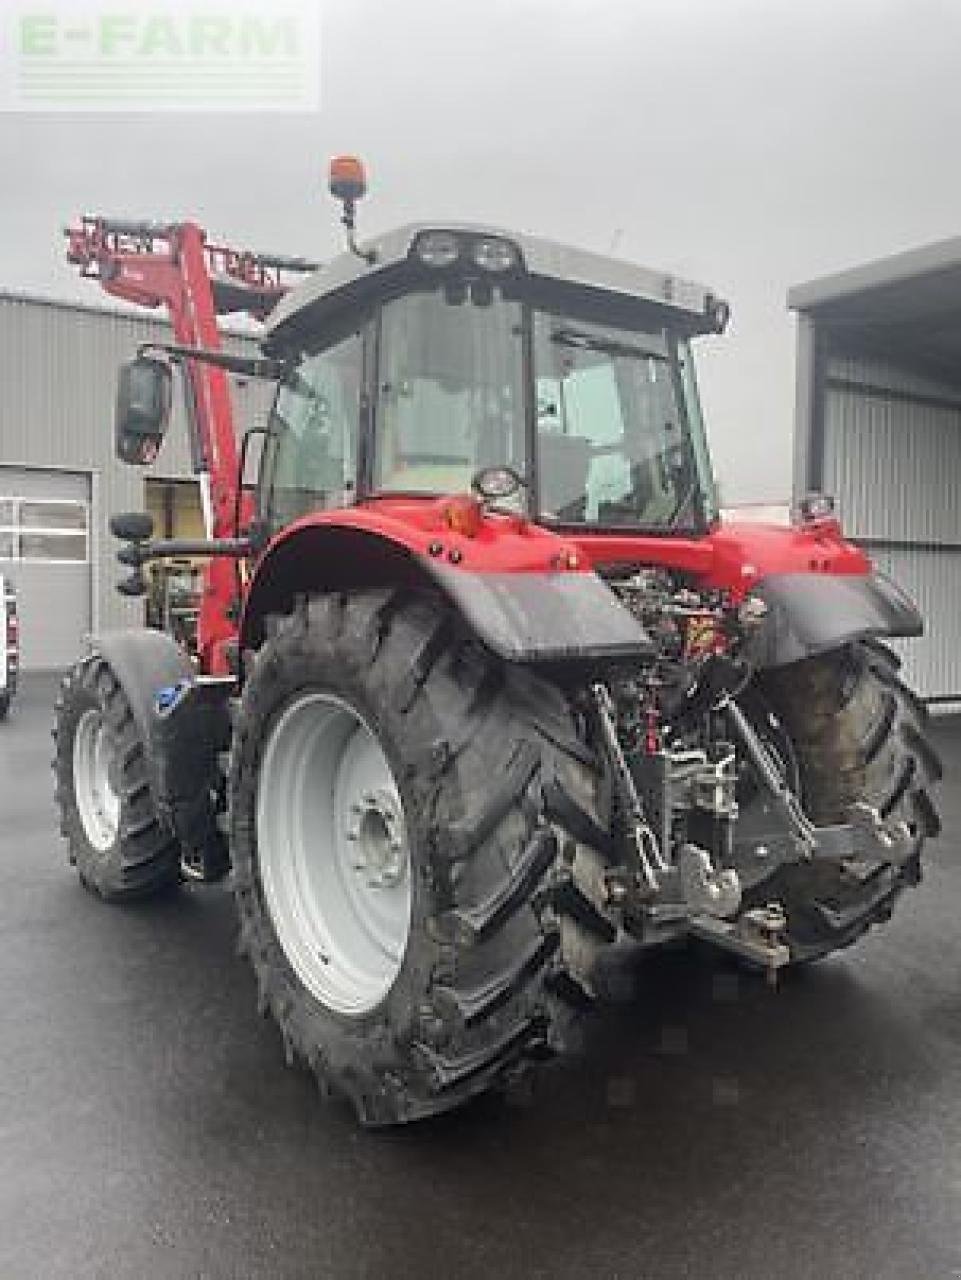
[314, 428]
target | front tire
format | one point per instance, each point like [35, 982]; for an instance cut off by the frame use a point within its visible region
[484, 812]
[107, 812]
[858, 733]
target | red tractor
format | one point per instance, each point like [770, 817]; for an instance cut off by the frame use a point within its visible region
[485, 685]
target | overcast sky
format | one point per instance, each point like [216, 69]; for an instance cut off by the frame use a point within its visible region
[749, 144]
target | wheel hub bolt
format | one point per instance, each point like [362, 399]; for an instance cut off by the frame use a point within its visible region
[375, 825]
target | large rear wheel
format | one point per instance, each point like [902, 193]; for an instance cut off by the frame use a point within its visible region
[344, 917]
[417, 833]
[858, 734]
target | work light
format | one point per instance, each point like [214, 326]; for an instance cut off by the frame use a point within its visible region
[494, 254]
[438, 249]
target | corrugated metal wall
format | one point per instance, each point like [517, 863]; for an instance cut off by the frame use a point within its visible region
[58, 372]
[892, 457]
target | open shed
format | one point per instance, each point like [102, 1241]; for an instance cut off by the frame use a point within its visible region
[878, 426]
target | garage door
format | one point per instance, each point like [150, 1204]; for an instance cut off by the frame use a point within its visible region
[45, 549]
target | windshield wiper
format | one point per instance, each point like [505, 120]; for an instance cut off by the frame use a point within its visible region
[583, 341]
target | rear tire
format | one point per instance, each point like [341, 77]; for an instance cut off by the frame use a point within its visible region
[107, 812]
[504, 819]
[4, 704]
[858, 734]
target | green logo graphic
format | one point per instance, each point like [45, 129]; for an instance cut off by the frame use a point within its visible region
[174, 56]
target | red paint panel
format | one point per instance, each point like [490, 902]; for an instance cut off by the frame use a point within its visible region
[502, 544]
[731, 557]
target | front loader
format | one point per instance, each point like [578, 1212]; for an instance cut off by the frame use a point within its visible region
[485, 686]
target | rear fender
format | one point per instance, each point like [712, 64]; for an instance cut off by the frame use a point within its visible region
[811, 613]
[528, 615]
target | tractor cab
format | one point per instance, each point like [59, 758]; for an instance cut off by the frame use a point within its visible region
[440, 355]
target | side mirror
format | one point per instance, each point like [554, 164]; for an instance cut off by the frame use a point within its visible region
[144, 397]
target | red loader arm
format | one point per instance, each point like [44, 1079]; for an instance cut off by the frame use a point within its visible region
[157, 264]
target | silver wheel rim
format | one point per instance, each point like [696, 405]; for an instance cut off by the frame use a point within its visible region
[93, 760]
[333, 853]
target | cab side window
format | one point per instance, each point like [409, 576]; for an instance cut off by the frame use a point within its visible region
[315, 424]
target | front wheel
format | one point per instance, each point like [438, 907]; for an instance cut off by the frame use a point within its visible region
[413, 827]
[107, 812]
[858, 734]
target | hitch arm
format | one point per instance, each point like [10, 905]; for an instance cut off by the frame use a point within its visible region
[641, 836]
[690, 884]
[864, 834]
[786, 801]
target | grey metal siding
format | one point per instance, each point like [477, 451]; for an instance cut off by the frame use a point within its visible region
[932, 665]
[892, 457]
[58, 367]
[893, 460]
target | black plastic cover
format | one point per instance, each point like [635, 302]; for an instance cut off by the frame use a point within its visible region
[544, 617]
[189, 725]
[810, 613]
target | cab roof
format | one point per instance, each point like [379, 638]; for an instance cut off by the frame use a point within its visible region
[348, 279]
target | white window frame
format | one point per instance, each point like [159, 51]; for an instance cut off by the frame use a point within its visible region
[16, 529]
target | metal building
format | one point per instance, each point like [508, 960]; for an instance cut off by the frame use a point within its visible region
[878, 425]
[59, 479]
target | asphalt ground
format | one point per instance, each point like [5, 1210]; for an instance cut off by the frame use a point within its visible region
[712, 1128]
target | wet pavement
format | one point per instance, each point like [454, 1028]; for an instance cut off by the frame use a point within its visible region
[712, 1128]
